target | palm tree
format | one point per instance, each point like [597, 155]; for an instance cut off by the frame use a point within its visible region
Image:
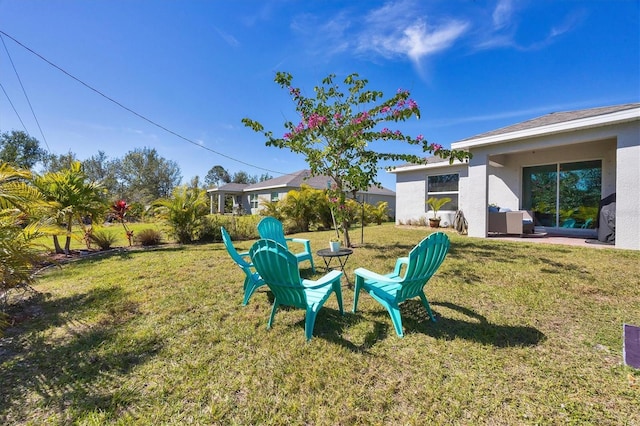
[73, 198]
[184, 211]
[18, 253]
[15, 191]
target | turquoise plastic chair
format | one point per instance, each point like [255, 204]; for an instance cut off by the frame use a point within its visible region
[271, 228]
[252, 279]
[278, 267]
[404, 283]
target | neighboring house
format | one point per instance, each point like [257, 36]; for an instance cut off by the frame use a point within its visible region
[559, 166]
[250, 197]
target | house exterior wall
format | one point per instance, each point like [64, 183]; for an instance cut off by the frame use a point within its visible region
[494, 175]
[616, 145]
[505, 182]
[627, 185]
[411, 192]
[264, 196]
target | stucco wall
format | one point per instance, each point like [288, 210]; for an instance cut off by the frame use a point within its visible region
[411, 192]
[628, 191]
[264, 197]
[618, 146]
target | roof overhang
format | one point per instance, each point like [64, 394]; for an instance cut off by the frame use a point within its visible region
[430, 166]
[567, 126]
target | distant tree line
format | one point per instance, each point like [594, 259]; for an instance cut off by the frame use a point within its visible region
[140, 176]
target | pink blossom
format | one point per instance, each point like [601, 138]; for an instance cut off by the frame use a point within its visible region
[412, 104]
[287, 136]
[398, 133]
[385, 109]
[419, 137]
[362, 117]
[385, 131]
[316, 120]
[437, 147]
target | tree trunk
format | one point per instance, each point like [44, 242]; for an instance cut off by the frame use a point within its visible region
[56, 244]
[67, 244]
[345, 230]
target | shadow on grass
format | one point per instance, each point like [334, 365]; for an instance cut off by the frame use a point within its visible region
[476, 328]
[77, 370]
[331, 325]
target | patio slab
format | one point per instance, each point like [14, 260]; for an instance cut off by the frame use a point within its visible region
[551, 239]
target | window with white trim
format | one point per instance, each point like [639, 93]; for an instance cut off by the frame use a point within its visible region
[441, 186]
[275, 196]
[253, 200]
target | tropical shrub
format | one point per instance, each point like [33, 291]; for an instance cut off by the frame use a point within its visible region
[300, 207]
[376, 214]
[271, 208]
[184, 212]
[103, 239]
[19, 252]
[148, 237]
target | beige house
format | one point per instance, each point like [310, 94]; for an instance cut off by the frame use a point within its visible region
[559, 166]
[250, 197]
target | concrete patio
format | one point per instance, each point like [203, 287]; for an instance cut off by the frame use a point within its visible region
[551, 239]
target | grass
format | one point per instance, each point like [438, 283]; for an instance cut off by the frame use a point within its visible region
[77, 237]
[526, 334]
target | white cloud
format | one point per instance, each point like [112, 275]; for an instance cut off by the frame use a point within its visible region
[228, 38]
[502, 14]
[418, 42]
[570, 22]
[398, 29]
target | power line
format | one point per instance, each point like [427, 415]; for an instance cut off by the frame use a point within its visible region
[148, 120]
[25, 94]
[14, 109]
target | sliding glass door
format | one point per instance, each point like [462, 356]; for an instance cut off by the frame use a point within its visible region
[563, 195]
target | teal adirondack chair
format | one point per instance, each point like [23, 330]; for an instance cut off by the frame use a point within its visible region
[394, 288]
[271, 228]
[278, 267]
[252, 279]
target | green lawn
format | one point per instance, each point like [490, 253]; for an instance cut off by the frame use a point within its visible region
[77, 237]
[526, 334]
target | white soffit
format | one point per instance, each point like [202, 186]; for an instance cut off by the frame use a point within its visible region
[414, 167]
[583, 123]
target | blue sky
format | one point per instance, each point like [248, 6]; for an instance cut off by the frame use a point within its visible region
[198, 67]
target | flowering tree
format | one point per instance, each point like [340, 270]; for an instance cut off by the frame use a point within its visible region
[337, 126]
[119, 210]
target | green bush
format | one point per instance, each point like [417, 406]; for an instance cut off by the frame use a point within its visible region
[104, 239]
[376, 214]
[184, 212]
[148, 237]
[239, 227]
